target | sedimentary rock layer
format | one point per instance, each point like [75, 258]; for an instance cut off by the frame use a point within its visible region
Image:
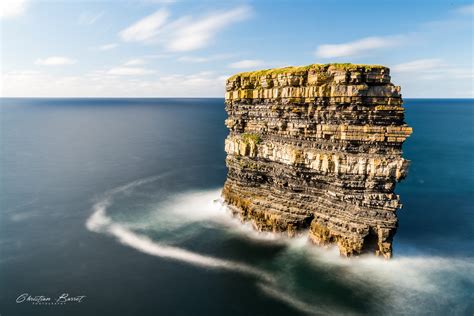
[317, 147]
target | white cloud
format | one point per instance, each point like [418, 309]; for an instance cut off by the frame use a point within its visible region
[12, 8]
[197, 34]
[129, 71]
[247, 63]
[89, 18]
[418, 65]
[102, 84]
[23, 73]
[199, 59]
[203, 84]
[193, 59]
[356, 48]
[134, 62]
[161, 1]
[107, 46]
[55, 61]
[185, 33]
[433, 77]
[146, 28]
[432, 69]
[466, 9]
[159, 56]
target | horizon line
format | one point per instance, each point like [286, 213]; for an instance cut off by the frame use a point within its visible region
[206, 97]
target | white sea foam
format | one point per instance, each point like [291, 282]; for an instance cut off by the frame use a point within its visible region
[407, 272]
[408, 284]
[291, 300]
[148, 246]
[98, 219]
[204, 207]
[409, 279]
[100, 222]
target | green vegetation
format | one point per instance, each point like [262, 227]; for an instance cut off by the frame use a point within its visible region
[323, 76]
[302, 69]
[251, 138]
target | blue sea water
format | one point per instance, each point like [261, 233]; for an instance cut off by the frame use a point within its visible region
[117, 200]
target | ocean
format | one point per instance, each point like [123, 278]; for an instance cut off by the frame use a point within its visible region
[112, 207]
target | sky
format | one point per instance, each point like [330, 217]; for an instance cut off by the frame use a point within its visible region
[166, 48]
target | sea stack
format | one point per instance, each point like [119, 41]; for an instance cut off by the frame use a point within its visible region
[317, 149]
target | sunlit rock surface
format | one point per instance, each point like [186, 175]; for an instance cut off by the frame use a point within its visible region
[320, 148]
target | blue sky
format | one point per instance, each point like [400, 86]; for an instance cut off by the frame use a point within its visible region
[159, 48]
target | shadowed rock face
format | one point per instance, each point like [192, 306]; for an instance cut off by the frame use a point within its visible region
[317, 147]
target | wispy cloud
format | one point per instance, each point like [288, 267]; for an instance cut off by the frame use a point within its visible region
[358, 47]
[161, 1]
[129, 71]
[12, 8]
[198, 33]
[432, 69]
[185, 33]
[369, 45]
[418, 65]
[159, 56]
[89, 18]
[466, 9]
[247, 63]
[422, 78]
[55, 61]
[193, 59]
[146, 28]
[23, 73]
[134, 62]
[200, 59]
[107, 46]
[101, 83]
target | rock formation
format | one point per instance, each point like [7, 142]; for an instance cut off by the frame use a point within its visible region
[320, 148]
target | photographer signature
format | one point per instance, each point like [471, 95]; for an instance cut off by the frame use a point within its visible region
[62, 299]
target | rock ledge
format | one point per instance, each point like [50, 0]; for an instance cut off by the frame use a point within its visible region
[317, 147]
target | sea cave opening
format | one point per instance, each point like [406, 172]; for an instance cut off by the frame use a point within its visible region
[370, 242]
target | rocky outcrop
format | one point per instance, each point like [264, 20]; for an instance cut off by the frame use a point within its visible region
[319, 148]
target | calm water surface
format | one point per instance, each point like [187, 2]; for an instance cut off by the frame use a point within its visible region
[118, 200]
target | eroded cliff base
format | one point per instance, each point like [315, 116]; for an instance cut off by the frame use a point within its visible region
[320, 148]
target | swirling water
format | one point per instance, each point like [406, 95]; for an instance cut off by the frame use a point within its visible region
[119, 200]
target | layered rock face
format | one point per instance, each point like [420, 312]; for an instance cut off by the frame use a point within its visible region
[317, 147]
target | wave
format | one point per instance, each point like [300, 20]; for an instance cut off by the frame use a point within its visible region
[100, 222]
[293, 301]
[407, 281]
[418, 284]
[205, 207]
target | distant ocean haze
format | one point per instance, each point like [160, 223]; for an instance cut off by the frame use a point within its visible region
[118, 200]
